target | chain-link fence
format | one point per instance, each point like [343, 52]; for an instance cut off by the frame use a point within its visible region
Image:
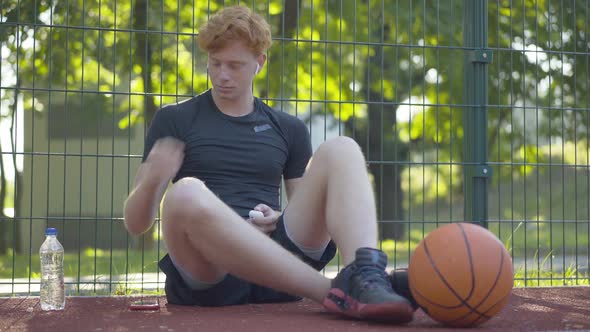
[465, 110]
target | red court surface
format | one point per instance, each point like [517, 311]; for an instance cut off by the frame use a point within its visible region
[530, 309]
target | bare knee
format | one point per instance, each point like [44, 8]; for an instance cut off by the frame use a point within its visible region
[187, 207]
[339, 148]
[187, 199]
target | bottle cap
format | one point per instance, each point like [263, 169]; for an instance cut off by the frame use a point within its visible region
[51, 231]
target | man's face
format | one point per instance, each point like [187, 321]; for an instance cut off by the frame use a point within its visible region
[232, 69]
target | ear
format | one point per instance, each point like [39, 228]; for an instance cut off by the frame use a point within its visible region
[260, 60]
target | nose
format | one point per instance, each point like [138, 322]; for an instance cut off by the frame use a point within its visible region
[224, 73]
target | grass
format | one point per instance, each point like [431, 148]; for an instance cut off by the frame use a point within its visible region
[545, 278]
[89, 262]
[119, 272]
[93, 271]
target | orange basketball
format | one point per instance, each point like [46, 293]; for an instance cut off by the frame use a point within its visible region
[461, 275]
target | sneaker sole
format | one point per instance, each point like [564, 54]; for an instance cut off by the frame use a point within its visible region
[391, 312]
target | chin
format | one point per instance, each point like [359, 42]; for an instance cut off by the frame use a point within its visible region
[226, 95]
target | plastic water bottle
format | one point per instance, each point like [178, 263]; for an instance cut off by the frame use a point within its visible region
[52, 272]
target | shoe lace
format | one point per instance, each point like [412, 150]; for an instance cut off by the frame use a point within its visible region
[372, 276]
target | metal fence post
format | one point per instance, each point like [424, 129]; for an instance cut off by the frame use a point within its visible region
[475, 141]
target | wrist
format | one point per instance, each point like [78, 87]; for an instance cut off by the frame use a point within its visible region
[277, 215]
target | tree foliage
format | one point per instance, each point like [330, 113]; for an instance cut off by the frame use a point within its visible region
[390, 70]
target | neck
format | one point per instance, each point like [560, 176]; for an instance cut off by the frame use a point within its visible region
[235, 106]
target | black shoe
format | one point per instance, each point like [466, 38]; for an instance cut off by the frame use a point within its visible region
[363, 290]
[400, 284]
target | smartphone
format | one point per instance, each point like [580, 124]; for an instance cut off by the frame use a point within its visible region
[144, 305]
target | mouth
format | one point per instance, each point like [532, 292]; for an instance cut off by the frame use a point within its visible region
[224, 88]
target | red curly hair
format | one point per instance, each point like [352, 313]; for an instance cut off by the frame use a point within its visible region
[236, 23]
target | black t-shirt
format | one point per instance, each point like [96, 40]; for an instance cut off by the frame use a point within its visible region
[240, 159]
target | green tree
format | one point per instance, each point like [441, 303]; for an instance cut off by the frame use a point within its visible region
[360, 61]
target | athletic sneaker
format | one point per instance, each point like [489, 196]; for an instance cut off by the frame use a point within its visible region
[401, 285]
[363, 290]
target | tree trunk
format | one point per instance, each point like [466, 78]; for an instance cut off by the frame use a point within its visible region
[144, 59]
[287, 25]
[289, 18]
[387, 180]
[18, 197]
[381, 143]
[3, 219]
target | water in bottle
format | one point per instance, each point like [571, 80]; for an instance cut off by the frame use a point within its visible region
[52, 273]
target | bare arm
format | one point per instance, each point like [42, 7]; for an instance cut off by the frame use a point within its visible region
[142, 203]
[151, 181]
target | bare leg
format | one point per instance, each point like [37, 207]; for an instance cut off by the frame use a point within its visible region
[209, 239]
[335, 199]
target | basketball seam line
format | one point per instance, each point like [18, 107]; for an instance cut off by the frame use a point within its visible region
[487, 296]
[463, 301]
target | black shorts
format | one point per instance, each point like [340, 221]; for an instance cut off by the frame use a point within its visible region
[233, 290]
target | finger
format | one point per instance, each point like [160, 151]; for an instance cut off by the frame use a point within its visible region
[263, 221]
[262, 208]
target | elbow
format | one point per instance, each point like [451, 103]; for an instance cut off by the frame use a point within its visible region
[135, 227]
[134, 224]
[132, 229]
